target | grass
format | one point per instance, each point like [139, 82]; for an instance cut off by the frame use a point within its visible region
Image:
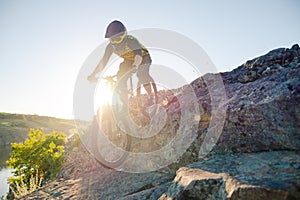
[22, 189]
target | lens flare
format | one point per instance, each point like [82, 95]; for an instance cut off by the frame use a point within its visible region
[103, 94]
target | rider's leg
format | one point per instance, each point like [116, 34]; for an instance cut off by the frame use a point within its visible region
[123, 75]
[154, 86]
[147, 86]
[146, 80]
[155, 90]
[138, 90]
[144, 77]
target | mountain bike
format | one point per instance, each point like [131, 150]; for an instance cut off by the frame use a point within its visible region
[111, 142]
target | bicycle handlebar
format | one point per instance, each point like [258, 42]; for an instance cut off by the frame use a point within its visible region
[109, 78]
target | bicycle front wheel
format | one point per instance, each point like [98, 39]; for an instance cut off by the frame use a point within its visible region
[110, 145]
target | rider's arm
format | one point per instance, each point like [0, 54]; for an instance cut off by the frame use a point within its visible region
[137, 60]
[103, 61]
[137, 49]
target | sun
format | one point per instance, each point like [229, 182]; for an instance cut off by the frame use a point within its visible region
[103, 94]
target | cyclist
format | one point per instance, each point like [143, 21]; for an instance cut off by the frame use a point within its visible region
[135, 56]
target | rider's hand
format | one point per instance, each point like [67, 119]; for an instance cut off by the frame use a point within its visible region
[92, 78]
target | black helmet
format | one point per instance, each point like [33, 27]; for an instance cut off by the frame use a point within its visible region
[114, 28]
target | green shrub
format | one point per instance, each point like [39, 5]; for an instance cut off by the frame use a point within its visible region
[41, 152]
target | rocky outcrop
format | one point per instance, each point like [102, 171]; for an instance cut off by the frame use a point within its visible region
[263, 112]
[267, 175]
[256, 156]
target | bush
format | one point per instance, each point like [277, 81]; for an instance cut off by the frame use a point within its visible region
[41, 152]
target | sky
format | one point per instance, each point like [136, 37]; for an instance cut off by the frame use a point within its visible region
[44, 43]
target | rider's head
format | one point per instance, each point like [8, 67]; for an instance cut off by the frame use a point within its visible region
[116, 32]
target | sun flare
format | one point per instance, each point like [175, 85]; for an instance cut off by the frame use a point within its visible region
[103, 95]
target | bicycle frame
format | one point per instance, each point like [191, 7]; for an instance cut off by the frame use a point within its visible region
[110, 150]
[120, 104]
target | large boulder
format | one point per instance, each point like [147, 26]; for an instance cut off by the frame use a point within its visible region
[263, 112]
[266, 175]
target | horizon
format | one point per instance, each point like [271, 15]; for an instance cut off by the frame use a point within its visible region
[44, 44]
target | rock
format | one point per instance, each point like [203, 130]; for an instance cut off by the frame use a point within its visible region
[272, 62]
[83, 178]
[261, 115]
[255, 156]
[268, 175]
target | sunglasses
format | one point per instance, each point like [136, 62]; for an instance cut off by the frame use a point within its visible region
[118, 38]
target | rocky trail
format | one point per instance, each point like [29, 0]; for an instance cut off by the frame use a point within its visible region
[256, 155]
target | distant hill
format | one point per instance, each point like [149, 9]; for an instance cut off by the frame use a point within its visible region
[15, 127]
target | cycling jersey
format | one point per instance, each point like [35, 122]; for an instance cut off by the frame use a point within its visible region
[127, 49]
